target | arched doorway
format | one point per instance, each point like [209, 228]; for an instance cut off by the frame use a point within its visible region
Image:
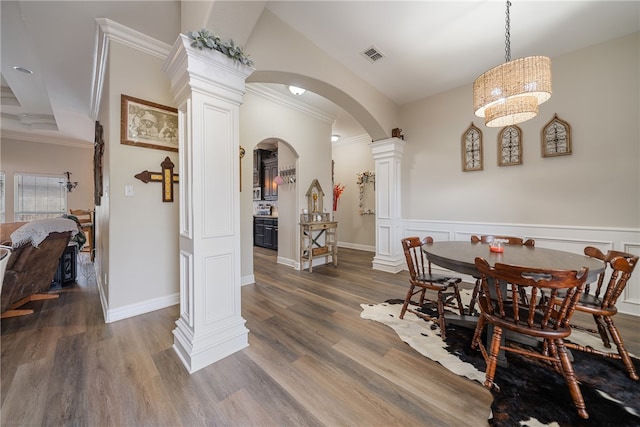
[276, 208]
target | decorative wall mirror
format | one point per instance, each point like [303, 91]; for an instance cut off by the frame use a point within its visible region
[556, 138]
[367, 192]
[510, 146]
[472, 149]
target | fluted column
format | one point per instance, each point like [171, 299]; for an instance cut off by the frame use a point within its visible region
[208, 88]
[387, 154]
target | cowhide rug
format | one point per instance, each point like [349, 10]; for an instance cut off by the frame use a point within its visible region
[531, 393]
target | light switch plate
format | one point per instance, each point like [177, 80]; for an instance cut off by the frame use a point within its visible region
[128, 190]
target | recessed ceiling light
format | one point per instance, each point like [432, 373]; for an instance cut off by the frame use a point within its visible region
[296, 90]
[23, 70]
[335, 138]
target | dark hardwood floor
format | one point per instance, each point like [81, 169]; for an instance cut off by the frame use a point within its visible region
[312, 361]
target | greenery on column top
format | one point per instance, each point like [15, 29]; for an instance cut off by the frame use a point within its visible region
[206, 39]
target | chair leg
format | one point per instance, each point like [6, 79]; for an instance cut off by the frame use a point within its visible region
[622, 350]
[441, 321]
[602, 330]
[492, 358]
[474, 297]
[406, 301]
[477, 335]
[570, 378]
[459, 299]
[422, 295]
[15, 313]
[14, 310]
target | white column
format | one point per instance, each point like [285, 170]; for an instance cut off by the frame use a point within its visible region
[387, 154]
[208, 88]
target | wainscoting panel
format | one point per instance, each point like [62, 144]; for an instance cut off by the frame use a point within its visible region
[218, 157]
[186, 296]
[566, 238]
[384, 245]
[219, 298]
[184, 183]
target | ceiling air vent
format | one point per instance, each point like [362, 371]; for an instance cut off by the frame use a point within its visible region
[372, 54]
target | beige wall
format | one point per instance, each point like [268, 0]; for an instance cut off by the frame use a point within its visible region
[48, 159]
[355, 230]
[288, 196]
[142, 235]
[596, 90]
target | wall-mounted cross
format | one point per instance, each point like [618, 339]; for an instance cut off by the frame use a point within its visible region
[167, 177]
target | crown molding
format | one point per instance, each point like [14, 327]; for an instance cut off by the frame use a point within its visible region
[33, 121]
[107, 31]
[7, 97]
[359, 139]
[133, 39]
[274, 96]
[44, 139]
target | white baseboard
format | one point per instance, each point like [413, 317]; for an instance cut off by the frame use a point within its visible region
[113, 315]
[247, 280]
[356, 246]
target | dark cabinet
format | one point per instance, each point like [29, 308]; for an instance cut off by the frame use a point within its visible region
[258, 177]
[269, 172]
[258, 232]
[265, 170]
[265, 232]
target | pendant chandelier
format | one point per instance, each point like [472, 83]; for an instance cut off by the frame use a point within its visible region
[511, 92]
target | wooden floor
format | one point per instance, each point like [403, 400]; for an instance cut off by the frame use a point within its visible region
[312, 361]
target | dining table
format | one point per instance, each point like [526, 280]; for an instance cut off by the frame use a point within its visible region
[460, 256]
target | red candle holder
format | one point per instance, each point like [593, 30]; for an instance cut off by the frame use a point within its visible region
[496, 247]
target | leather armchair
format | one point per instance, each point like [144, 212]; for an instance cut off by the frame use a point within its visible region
[33, 263]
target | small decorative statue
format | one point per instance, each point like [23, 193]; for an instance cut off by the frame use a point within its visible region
[397, 133]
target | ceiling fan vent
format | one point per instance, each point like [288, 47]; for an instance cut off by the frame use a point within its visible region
[372, 54]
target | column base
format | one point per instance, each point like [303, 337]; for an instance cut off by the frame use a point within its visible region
[389, 264]
[198, 352]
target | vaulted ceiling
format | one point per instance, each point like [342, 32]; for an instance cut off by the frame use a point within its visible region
[427, 47]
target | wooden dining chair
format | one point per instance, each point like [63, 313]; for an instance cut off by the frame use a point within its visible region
[601, 304]
[85, 218]
[509, 240]
[552, 296]
[422, 279]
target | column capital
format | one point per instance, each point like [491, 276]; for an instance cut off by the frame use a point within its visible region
[190, 68]
[389, 147]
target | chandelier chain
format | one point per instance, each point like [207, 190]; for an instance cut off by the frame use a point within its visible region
[507, 35]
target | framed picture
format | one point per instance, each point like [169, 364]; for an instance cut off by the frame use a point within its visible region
[149, 125]
[556, 138]
[472, 149]
[510, 146]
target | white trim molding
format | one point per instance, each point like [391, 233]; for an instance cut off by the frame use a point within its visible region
[107, 31]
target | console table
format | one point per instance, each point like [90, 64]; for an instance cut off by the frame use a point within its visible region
[318, 239]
